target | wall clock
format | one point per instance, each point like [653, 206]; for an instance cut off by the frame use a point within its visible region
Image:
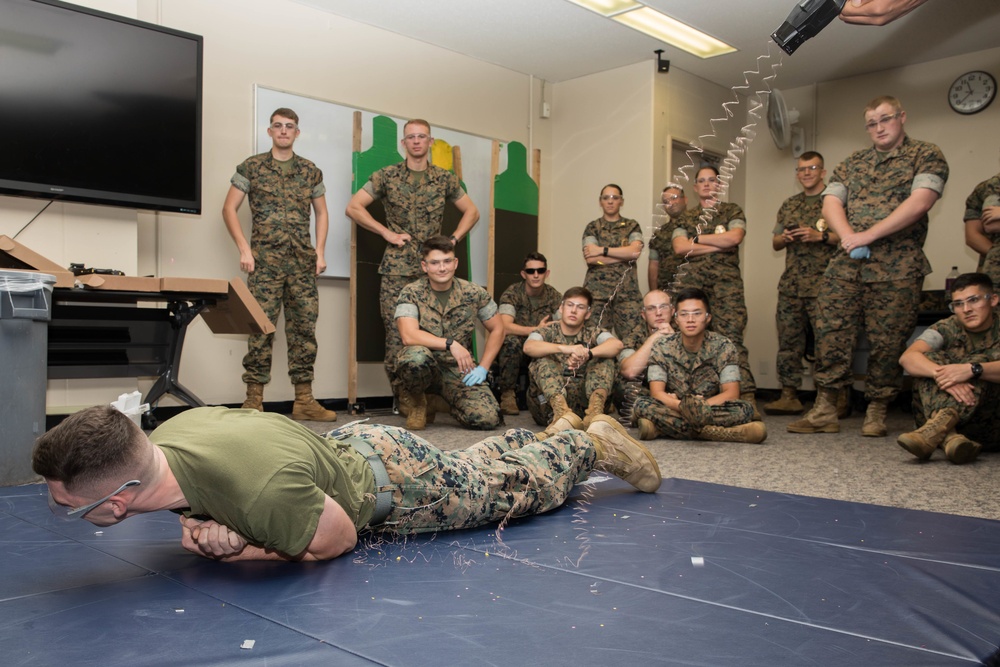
[972, 92]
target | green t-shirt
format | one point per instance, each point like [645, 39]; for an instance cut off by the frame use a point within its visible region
[263, 475]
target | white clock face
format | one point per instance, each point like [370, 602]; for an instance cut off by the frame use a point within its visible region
[972, 92]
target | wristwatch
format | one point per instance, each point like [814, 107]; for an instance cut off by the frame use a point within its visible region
[590, 354]
[454, 241]
[977, 370]
[605, 251]
[826, 236]
[447, 344]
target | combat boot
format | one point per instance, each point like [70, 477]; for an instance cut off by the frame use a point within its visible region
[255, 397]
[647, 429]
[416, 413]
[559, 406]
[751, 398]
[753, 433]
[960, 449]
[508, 403]
[874, 424]
[788, 404]
[436, 404]
[597, 401]
[823, 416]
[620, 455]
[306, 408]
[568, 422]
[922, 442]
[844, 403]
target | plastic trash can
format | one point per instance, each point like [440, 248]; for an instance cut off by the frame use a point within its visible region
[25, 311]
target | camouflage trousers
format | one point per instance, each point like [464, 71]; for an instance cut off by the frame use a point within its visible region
[276, 287]
[419, 372]
[388, 294]
[979, 422]
[625, 392]
[670, 424]
[620, 315]
[794, 317]
[547, 380]
[502, 477]
[729, 318]
[510, 360]
[888, 313]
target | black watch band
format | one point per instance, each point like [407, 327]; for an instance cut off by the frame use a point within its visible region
[605, 251]
[447, 344]
[826, 236]
[454, 241]
[590, 354]
[977, 370]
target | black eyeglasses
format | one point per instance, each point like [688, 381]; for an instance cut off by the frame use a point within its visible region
[534, 272]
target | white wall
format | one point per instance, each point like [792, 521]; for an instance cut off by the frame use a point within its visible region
[283, 45]
[833, 117]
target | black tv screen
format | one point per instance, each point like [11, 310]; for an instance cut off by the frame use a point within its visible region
[99, 108]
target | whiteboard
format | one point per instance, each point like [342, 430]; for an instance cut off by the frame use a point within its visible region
[326, 138]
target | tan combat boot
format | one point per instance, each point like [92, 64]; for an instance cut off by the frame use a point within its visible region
[508, 403]
[844, 403]
[922, 442]
[436, 404]
[823, 416]
[255, 397]
[960, 449]
[416, 414]
[568, 422]
[788, 404]
[597, 402]
[306, 408]
[753, 433]
[874, 424]
[559, 406]
[647, 429]
[620, 455]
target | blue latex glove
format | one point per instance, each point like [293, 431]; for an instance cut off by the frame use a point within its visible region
[861, 252]
[475, 376]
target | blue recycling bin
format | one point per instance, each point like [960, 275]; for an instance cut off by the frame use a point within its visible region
[25, 311]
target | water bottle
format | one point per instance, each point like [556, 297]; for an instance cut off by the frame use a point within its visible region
[949, 280]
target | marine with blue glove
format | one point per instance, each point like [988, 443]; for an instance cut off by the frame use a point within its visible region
[436, 318]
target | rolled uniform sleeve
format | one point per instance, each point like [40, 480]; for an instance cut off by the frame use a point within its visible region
[656, 373]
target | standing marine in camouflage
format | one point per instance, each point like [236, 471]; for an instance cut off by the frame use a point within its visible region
[877, 202]
[982, 226]
[436, 317]
[524, 307]
[631, 381]
[956, 366]
[694, 383]
[809, 244]
[413, 193]
[281, 260]
[573, 364]
[708, 238]
[663, 262]
[300, 496]
[611, 245]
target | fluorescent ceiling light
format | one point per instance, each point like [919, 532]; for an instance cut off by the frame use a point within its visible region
[608, 7]
[651, 22]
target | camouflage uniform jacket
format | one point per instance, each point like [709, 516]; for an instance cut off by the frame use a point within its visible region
[281, 206]
[414, 209]
[661, 249]
[515, 302]
[602, 280]
[699, 373]
[804, 262]
[717, 266]
[589, 335]
[466, 303]
[974, 204]
[871, 187]
[949, 337]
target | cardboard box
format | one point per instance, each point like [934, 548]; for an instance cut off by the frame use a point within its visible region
[13, 255]
[240, 313]
[199, 285]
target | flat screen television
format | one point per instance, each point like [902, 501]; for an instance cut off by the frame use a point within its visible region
[98, 108]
